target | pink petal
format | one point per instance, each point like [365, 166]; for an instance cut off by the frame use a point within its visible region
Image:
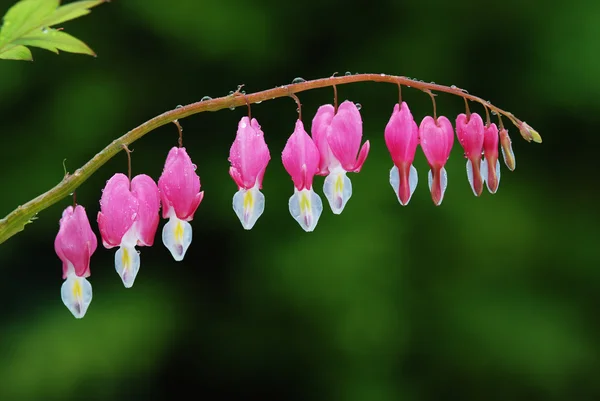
[146, 192]
[362, 156]
[249, 154]
[345, 135]
[75, 242]
[179, 185]
[438, 181]
[507, 152]
[118, 210]
[320, 125]
[407, 180]
[490, 151]
[402, 135]
[235, 174]
[300, 157]
[436, 140]
[470, 134]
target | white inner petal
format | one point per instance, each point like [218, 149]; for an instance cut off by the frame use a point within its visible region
[483, 168]
[413, 180]
[248, 205]
[177, 237]
[337, 189]
[470, 176]
[443, 183]
[306, 207]
[76, 294]
[395, 181]
[127, 264]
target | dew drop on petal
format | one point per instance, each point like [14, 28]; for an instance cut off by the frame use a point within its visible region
[205, 98]
[178, 106]
[358, 106]
[298, 80]
[348, 73]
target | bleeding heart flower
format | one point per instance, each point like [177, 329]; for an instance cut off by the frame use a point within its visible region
[300, 158]
[74, 244]
[402, 138]
[179, 188]
[249, 156]
[490, 165]
[507, 152]
[128, 217]
[469, 130]
[337, 137]
[437, 138]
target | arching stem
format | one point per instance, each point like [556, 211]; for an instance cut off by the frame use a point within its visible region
[16, 220]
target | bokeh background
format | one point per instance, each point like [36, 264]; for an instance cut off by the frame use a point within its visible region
[491, 298]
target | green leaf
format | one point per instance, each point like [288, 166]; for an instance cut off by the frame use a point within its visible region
[16, 53]
[71, 11]
[55, 40]
[26, 24]
[24, 17]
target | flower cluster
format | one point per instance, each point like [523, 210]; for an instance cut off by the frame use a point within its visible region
[129, 208]
[436, 137]
[129, 217]
[334, 148]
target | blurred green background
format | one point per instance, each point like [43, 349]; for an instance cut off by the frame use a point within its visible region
[480, 299]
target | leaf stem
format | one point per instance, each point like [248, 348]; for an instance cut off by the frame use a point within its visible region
[15, 221]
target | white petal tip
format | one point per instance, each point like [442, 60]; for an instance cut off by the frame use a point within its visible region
[248, 205]
[338, 190]
[306, 207]
[76, 294]
[470, 176]
[438, 195]
[487, 177]
[127, 264]
[395, 182]
[177, 237]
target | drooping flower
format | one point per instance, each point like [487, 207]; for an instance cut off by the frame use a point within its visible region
[128, 217]
[179, 188]
[437, 138]
[74, 244]
[507, 152]
[337, 137]
[300, 158]
[402, 138]
[490, 165]
[470, 133]
[249, 156]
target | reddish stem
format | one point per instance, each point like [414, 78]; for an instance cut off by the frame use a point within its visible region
[293, 96]
[180, 130]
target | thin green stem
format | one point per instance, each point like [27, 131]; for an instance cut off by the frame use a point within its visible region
[15, 221]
